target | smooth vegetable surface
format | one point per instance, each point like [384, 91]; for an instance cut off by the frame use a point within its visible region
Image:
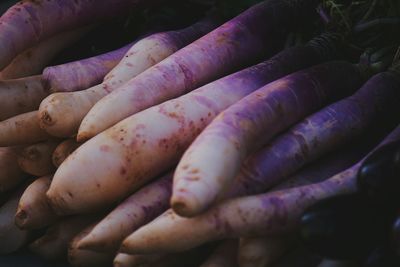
[33, 210]
[35, 59]
[267, 214]
[142, 55]
[21, 95]
[28, 22]
[235, 44]
[22, 129]
[210, 164]
[137, 210]
[182, 119]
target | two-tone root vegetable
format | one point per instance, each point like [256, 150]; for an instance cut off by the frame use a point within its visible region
[63, 150]
[53, 245]
[163, 132]
[267, 111]
[268, 214]
[223, 255]
[22, 129]
[235, 44]
[35, 59]
[126, 260]
[13, 237]
[11, 174]
[333, 126]
[37, 159]
[141, 56]
[137, 210]
[86, 258]
[21, 96]
[28, 22]
[262, 251]
[33, 211]
[210, 164]
[82, 74]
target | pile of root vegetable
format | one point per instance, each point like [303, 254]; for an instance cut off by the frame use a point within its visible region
[187, 133]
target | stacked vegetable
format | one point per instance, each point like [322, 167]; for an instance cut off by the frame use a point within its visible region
[201, 144]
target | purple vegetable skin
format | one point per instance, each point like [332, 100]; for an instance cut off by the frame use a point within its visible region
[216, 155]
[267, 214]
[237, 43]
[163, 132]
[30, 21]
[82, 74]
[318, 134]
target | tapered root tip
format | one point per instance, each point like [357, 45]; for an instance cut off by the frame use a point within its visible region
[21, 218]
[185, 206]
[83, 136]
[45, 119]
[57, 203]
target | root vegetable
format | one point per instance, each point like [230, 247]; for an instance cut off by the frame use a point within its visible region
[13, 237]
[82, 74]
[85, 258]
[33, 211]
[137, 210]
[63, 150]
[262, 251]
[141, 56]
[267, 214]
[35, 59]
[218, 152]
[126, 260]
[21, 96]
[37, 159]
[11, 174]
[28, 22]
[21, 130]
[53, 245]
[235, 44]
[163, 132]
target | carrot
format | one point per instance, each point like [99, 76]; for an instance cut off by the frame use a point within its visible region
[13, 237]
[85, 258]
[267, 214]
[210, 164]
[11, 174]
[142, 55]
[223, 255]
[22, 129]
[183, 119]
[53, 245]
[82, 74]
[37, 159]
[63, 150]
[33, 210]
[28, 22]
[235, 44]
[21, 95]
[33, 60]
[137, 210]
[126, 260]
[262, 251]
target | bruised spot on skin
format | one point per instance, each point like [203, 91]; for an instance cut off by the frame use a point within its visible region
[70, 194]
[123, 171]
[192, 178]
[129, 65]
[194, 171]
